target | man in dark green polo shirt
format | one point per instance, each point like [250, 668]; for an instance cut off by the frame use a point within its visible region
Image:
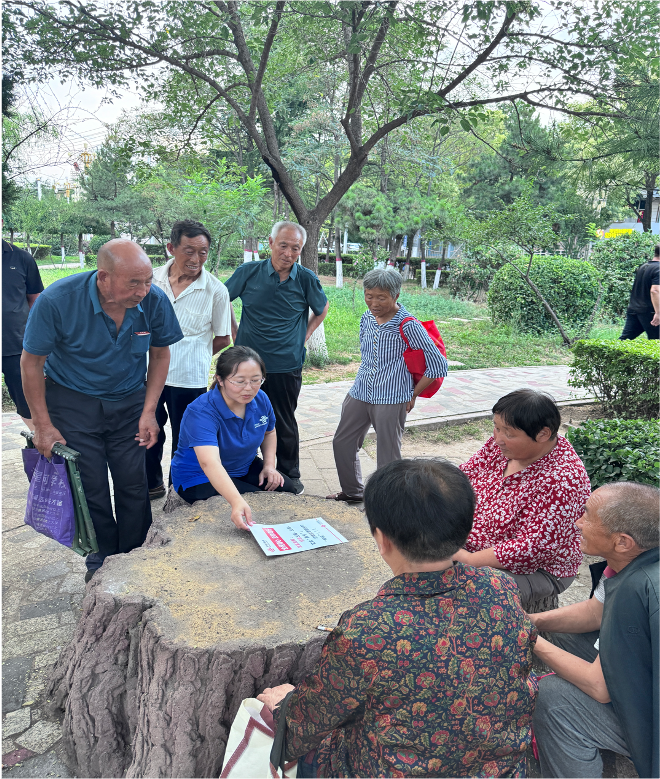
[277, 295]
[84, 364]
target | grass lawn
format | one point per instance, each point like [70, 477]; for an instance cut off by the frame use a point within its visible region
[477, 342]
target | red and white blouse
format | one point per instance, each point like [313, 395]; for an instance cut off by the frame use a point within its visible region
[528, 518]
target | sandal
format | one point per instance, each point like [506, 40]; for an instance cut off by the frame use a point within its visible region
[343, 496]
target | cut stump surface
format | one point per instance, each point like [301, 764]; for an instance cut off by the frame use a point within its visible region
[175, 634]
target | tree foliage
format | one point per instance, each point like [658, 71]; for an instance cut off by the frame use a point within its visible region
[617, 259]
[395, 63]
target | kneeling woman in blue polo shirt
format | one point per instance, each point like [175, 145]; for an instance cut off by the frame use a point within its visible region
[221, 432]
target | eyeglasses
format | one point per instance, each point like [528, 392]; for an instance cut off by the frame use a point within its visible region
[252, 383]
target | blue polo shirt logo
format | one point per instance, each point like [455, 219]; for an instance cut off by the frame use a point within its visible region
[262, 421]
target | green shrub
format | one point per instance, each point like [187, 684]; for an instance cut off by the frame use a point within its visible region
[154, 250]
[623, 375]
[90, 260]
[617, 259]
[618, 450]
[570, 287]
[40, 251]
[471, 275]
[327, 268]
[97, 241]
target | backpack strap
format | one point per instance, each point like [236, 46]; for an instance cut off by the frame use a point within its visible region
[402, 323]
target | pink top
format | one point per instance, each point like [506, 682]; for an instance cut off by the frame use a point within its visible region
[528, 518]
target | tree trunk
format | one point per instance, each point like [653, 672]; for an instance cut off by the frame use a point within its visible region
[327, 248]
[310, 252]
[11, 235]
[167, 645]
[339, 264]
[113, 233]
[27, 242]
[649, 183]
[438, 272]
[422, 257]
[81, 255]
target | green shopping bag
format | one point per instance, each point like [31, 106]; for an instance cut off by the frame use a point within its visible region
[84, 541]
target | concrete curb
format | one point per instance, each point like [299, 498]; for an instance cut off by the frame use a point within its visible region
[434, 423]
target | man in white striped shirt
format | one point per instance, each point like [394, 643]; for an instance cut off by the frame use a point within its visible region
[202, 307]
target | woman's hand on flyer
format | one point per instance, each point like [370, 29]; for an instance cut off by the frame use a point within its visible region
[272, 477]
[241, 515]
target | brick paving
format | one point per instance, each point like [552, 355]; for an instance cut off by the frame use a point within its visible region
[462, 393]
[43, 584]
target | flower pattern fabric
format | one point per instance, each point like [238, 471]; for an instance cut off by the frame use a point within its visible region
[528, 518]
[430, 678]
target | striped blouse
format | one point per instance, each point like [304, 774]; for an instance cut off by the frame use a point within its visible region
[383, 376]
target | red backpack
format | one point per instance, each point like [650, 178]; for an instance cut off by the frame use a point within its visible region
[415, 361]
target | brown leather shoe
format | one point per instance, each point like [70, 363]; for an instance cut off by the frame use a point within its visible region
[343, 496]
[157, 492]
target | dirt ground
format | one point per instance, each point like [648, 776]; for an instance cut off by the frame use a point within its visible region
[457, 443]
[333, 372]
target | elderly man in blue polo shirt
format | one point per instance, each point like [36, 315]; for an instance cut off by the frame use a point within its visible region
[277, 295]
[83, 364]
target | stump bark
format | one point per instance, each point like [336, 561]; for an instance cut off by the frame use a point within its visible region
[175, 634]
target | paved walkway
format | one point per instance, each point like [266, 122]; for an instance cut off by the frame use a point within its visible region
[43, 584]
[462, 393]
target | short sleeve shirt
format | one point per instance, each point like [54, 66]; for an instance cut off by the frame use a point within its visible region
[646, 276]
[202, 310]
[20, 278]
[85, 351]
[275, 313]
[528, 518]
[208, 421]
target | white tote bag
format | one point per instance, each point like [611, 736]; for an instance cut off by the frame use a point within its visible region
[250, 740]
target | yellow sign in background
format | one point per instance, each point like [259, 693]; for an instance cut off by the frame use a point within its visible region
[618, 231]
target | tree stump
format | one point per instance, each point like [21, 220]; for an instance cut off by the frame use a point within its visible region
[175, 634]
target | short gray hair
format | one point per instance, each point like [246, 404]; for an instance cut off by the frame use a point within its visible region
[631, 508]
[383, 278]
[279, 225]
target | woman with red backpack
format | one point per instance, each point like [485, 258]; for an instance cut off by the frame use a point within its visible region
[392, 343]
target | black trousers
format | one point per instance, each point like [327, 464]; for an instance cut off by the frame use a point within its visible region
[104, 433]
[636, 324]
[11, 370]
[247, 483]
[283, 390]
[177, 400]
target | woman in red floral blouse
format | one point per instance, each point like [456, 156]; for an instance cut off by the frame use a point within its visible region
[433, 676]
[531, 488]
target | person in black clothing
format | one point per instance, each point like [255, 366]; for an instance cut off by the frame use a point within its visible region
[644, 306]
[21, 286]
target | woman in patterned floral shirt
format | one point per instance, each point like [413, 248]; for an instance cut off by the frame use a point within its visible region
[433, 676]
[531, 488]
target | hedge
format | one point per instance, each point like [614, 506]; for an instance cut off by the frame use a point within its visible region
[570, 287]
[153, 250]
[622, 374]
[97, 241]
[39, 251]
[618, 450]
[617, 259]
